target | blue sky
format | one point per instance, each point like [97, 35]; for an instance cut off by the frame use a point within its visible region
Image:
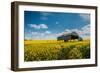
[49, 25]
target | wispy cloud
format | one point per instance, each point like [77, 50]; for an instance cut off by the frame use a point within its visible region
[43, 18]
[44, 15]
[38, 26]
[48, 32]
[85, 17]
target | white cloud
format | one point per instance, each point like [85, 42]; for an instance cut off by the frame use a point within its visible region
[28, 36]
[45, 13]
[35, 33]
[50, 37]
[86, 29]
[34, 26]
[84, 32]
[60, 33]
[40, 26]
[43, 26]
[43, 18]
[67, 31]
[85, 17]
[47, 32]
[39, 35]
[57, 22]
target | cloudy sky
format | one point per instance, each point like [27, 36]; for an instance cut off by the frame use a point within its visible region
[49, 25]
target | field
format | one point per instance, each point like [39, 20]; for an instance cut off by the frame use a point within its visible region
[41, 50]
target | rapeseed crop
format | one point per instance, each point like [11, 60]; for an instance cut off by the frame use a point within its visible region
[42, 50]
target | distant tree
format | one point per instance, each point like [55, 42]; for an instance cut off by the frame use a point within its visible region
[25, 39]
[74, 33]
[69, 36]
[80, 39]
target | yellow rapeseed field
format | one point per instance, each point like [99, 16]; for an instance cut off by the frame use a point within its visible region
[41, 50]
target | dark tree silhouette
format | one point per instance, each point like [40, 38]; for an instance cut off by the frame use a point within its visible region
[69, 36]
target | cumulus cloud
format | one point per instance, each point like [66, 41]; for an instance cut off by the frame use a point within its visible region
[43, 26]
[39, 26]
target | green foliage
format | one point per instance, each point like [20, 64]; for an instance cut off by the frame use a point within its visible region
[56, 50]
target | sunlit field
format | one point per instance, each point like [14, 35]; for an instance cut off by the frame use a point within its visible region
[43, 50]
